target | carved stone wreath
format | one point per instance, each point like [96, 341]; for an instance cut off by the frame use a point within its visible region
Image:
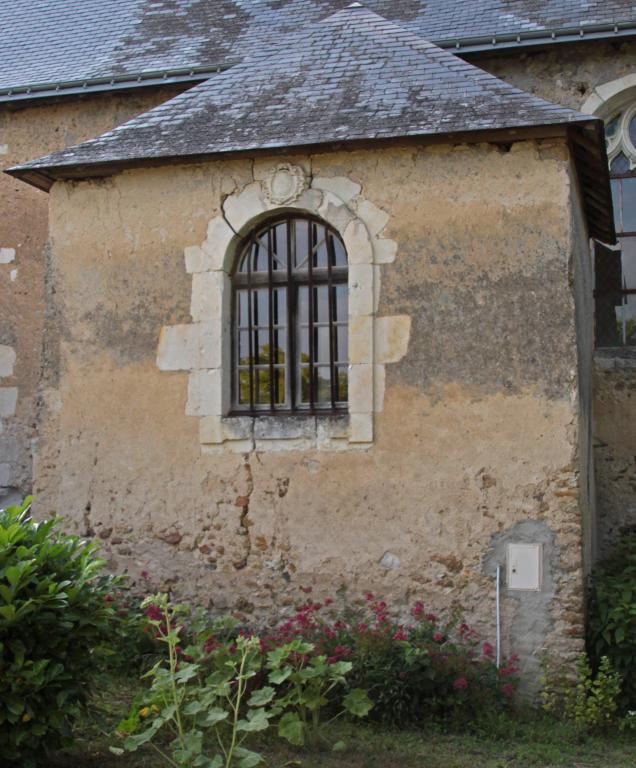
[284, 184]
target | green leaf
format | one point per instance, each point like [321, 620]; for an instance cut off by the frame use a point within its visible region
[247, 758]
[357, 702]
[215, 716]
[261, 697]
[279, 676]
[257, 720]
[291, 728]
[338, 746]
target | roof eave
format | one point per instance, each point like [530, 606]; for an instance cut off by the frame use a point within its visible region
[585, 138]
[126, 82]
[539, 38]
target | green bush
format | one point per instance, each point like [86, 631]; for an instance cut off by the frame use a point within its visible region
[589, 702]
[612, 623]
[56, 612]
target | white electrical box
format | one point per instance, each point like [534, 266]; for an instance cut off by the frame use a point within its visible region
[525, 566]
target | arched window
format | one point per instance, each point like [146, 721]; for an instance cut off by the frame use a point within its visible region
[615, 268]
[290, 319]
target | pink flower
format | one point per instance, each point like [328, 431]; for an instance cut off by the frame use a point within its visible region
[418, 609]
[488, 650]
[400, 634]
[460, 684]
[153, 612]
[438, 637]
[362, 627]
[507, 671]
[431, 617]
[369, 597]
[328, 601]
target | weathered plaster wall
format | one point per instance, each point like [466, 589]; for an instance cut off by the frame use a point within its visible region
[25, 134]
[564, 74]
[574, 76]
[479, 432]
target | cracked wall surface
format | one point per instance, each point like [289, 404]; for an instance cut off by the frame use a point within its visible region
[479, 429]
[596, 78]
[24, 134]
[204, 346]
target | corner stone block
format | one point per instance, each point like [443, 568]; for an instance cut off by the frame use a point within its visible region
[7, 255]
[210, 430]
[334, 211]
[216, 245]
[361, 339]
[379, 382]
[361, 293]
[178, 348]
[207, 296]
[310, 200]
[361, 428]
[205, 393]
[7, 360]
[391, 338]
[8, 400]
[375, 218]
[384, 251]
[360, 388]
[357, 243]
[241, 208]
[341, 186]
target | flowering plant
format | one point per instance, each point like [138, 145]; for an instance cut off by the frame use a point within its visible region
[423, 667]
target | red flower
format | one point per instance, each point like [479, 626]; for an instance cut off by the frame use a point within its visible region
[369, 597]
[460, 684]
[145, 575]
[400, 634]
[438, 637]
[328, 601]
[418, 609]
[507, 689]
[488, 650]
[306, 590]
[153, 612]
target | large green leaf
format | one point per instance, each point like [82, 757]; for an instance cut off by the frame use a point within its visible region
[261, 697]
[357, 702]
[291, 728]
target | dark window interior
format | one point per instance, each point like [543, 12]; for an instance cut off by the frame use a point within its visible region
[290, 319]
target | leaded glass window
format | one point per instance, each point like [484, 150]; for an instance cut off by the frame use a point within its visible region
[290, 319]
[615, 267]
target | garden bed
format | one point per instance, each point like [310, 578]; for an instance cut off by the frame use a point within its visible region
[527, 743]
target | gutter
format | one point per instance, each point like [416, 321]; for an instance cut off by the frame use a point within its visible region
[539, 38]
[114, 83]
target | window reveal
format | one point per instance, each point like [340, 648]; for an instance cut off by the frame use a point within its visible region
[291, 319]
[615, 268]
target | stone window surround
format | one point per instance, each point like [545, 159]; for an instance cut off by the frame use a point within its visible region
[203, 347]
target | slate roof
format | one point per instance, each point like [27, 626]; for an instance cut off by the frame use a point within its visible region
[354, 76]
[75, 45]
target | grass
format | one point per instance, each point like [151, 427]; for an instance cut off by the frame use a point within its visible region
[530, 742]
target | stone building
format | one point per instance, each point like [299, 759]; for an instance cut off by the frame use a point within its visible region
[302, 292]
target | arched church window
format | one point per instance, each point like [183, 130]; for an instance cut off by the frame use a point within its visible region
[290, 319]
[615, 268]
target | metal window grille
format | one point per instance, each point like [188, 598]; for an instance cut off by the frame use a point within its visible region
[290, 319]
